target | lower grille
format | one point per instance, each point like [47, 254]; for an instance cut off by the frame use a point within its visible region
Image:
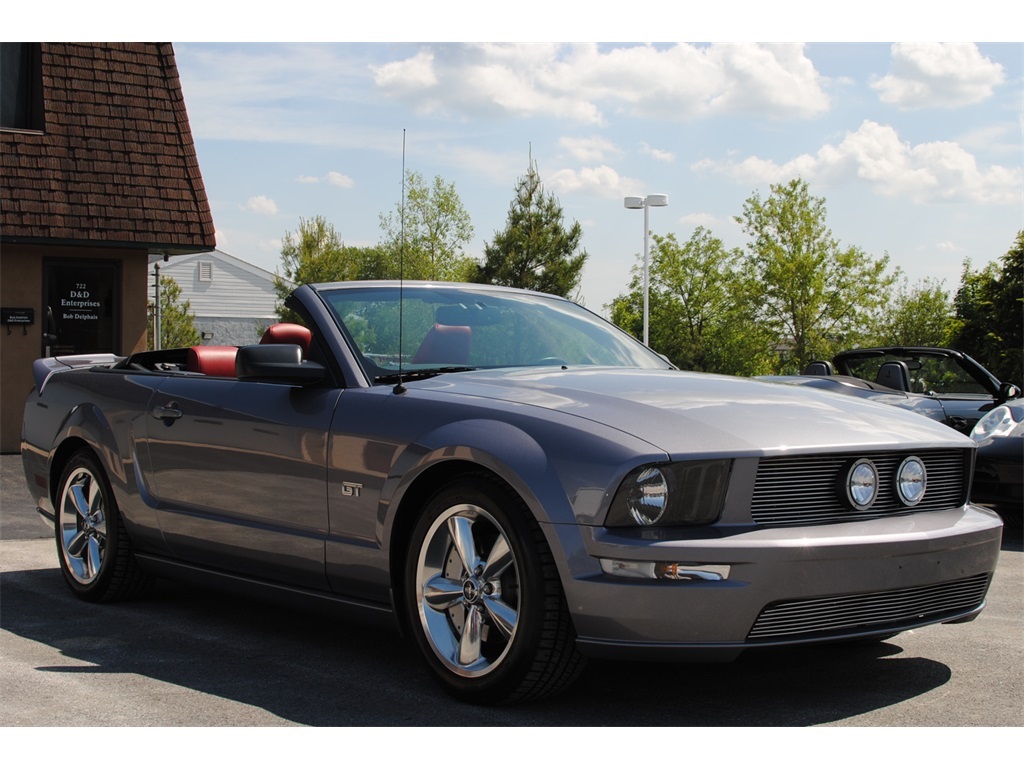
[873, 610]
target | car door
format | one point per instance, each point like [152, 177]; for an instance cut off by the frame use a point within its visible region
[237, 470]
[963, 394]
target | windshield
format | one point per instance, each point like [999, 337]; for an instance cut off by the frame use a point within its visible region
[458, 328]
[927, 374]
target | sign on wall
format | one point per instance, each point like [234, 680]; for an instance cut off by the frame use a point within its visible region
[81, 301]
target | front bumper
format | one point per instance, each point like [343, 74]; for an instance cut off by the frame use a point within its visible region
[809, 584]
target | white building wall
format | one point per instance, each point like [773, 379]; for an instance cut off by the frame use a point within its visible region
[233, 301]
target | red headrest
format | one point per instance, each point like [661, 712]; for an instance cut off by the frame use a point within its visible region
[445, 344]
[288, 333]
[213, 361]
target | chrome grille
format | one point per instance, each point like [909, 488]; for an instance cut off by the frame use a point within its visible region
[805, 490]
[874, 610]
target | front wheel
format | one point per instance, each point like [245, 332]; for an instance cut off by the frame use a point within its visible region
[484, 599]
[92, 543]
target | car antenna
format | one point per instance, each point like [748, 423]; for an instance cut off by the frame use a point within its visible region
[400, 387]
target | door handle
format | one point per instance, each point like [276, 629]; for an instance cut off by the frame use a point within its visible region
[959, 423]
[167, 412]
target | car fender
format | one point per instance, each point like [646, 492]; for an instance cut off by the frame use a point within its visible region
[56, 433]
[538, 467]
[363, 561]
[86, 422]
[499, 447]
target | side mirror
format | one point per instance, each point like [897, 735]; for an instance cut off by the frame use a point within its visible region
[279, 363]
[1009, 391]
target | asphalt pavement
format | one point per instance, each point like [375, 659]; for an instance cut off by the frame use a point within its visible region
[18, 517]
[185, 656]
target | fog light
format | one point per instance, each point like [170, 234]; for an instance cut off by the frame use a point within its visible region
[861, 484]
[911, 481]
[637, 569]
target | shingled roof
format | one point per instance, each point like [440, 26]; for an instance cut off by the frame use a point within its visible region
[114, 164]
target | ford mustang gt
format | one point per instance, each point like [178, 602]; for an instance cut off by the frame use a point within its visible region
[517, 483]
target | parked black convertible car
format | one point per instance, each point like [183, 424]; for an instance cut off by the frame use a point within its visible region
[943, 384]
[951, 387]
[999, 469]
[515, 481]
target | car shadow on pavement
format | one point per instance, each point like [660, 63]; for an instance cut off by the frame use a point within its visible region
[318, 670]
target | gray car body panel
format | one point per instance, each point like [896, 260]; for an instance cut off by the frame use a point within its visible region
[304, 487]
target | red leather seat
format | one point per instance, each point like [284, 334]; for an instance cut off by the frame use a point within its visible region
[288, 333]
[212, 361]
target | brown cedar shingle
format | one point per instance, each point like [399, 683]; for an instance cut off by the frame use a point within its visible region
[115, 163]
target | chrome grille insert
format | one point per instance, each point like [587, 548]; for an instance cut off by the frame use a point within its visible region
[803, 490]
[844, 614]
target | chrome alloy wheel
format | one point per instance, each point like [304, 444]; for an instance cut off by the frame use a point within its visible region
[467, 590]
[82, 521]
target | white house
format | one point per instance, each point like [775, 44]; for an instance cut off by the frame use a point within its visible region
[233, 301]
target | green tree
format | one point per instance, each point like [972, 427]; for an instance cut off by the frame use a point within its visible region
[918, 316]
[535, 250]
[812, 295]
[989, 307]
[428, 233]
[698, 318]
[314, 253]
[177, 321]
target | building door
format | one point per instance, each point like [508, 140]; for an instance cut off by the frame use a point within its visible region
[81, 307]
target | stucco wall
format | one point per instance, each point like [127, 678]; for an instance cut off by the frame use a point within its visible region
[21, 285]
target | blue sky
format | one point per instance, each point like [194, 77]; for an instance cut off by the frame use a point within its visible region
[916, 148]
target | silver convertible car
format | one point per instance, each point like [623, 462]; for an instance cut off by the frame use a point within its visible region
[516, 482]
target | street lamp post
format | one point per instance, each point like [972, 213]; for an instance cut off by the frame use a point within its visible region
[651, 201]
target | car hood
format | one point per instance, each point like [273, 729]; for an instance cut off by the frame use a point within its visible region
[680, 412]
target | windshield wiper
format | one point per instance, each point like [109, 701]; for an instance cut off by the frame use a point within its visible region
[420, 373]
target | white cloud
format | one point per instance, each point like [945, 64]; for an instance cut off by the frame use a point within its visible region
[938, 75]
[415, 72]
[997, 138]
[280, 92]
[602, 180]
[262, 205]
[928, 172]
[766, 80]
[946, 246]
[595, 149]
[498, 166]
[661, 155]
[336, 179]
[580, 82]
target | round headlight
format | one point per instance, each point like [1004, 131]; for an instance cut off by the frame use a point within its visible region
[862, 484]
[911, 481]
[648, 497]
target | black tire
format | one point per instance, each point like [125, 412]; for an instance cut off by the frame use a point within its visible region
[483, 598]
[93, 547]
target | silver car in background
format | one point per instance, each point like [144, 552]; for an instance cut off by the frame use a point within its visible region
[518, 483]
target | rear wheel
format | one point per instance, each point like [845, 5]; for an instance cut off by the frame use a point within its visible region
[484, 599]
[95, 552]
